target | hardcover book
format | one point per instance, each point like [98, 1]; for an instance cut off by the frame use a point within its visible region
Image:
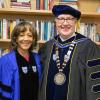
[67, 0]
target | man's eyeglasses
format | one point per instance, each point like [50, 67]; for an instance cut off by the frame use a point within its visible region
[62, 20]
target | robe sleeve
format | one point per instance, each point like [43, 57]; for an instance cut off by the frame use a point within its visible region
[5, 87]
[0, 80]
[89, 63]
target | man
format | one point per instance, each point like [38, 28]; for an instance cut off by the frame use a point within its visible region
[71, 61]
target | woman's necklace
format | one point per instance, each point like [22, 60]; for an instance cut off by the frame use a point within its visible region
[60, 77]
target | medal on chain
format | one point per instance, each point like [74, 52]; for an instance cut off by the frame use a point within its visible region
[60, 77]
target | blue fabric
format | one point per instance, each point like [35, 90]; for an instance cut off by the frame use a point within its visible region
[9, 76]
[65, 9]
[96, 88]
[95, 75]
[37, 58]
[94, 63]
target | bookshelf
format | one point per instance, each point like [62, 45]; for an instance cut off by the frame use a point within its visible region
[88, 9]
[88, 15]
[27, 14]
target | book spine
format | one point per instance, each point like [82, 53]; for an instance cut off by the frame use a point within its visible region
[33, 4]
[41, 4]
[5, 29]
[37, 4]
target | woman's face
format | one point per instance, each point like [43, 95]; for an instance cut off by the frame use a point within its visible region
[24, 40]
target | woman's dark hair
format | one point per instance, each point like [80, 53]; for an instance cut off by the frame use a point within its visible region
[22, 27]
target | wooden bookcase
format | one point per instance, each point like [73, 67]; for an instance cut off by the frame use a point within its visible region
[87, 7]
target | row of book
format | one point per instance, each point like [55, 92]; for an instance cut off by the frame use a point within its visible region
[72, 3]
[90, 30]
[36, 4]
[4, 3]
[25, 4]
[6, 27]
[46, 29]
[33, 4]
[48, 4]
[15, 4]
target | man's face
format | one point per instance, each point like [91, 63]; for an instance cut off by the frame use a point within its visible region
[65, 25]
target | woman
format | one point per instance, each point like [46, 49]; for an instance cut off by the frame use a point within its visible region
[20, 69]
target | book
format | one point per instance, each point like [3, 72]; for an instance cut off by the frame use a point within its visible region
[97, 37]
[67, 0]
[49, 30]
[72, 4]
[13, 0]
[98, 9]
[88, 30]
[11, 26]
[37, 5]
[5, 29]
[2, 4]
[23, 0]
[41, 4]
[33, 4]
[46, 4]
[24, 5]
[0, 28]
[6, 3]
[50, 4]
[46, 30]
[42, 30]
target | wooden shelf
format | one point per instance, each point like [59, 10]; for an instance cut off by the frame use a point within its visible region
[24, 11]
[41, 41]
[9, 40]
[38, 14]
[90, 14]
[90, 17]
[12, 13]
[5, 40]
[98, 43]
[4, 43]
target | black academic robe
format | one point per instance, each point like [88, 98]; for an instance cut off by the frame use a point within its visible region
[83, 79]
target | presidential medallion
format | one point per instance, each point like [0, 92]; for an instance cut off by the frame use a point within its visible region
[59, 78]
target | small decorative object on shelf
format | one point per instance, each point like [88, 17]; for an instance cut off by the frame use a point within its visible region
[98, 9]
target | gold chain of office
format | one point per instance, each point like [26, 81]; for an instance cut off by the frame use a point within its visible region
[60, 77]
